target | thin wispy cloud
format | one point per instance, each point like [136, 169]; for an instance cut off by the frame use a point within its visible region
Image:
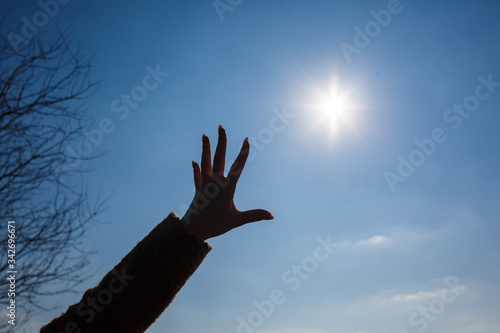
[421, 296]
[373, 242]
[418, 296]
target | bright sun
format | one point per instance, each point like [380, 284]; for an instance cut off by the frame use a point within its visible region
[333, 111]
[334, 107]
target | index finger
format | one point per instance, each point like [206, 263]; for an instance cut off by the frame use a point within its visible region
[238, 165]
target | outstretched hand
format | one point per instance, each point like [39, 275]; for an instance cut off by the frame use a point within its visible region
[212, 212]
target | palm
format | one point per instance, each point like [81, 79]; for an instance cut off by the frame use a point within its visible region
[212, 212]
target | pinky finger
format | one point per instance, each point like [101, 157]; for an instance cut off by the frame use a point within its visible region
[197, 175]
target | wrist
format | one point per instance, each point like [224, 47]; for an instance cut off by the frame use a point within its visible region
[193, 227]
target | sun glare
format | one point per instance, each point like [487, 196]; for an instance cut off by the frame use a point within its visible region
[333, 110]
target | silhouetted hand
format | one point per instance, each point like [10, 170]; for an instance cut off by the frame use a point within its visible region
[212, 212]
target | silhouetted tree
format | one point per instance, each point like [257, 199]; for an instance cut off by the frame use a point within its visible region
[44, 84]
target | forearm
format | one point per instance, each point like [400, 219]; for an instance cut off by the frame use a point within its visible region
[132, 295]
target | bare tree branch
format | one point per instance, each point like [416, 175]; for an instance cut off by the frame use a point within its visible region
[43, 88]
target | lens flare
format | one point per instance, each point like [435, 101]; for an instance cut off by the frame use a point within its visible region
[333, 109]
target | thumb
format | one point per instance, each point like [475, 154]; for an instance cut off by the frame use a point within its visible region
[253, 216]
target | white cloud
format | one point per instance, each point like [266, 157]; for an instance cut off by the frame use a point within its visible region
[389, 311]
[421, 296]
[373, 242]
[418, 296]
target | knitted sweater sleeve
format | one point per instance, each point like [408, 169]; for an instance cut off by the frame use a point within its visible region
[136, 291]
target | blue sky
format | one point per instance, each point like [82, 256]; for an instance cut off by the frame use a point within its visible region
[428, 242]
